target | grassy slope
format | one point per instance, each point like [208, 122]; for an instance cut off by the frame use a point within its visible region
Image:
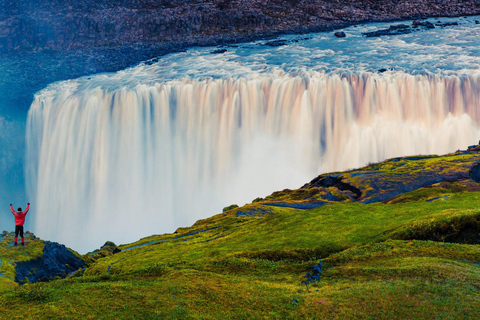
[8, 254]
[379, 260]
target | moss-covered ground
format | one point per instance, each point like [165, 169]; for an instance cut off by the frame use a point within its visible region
[415, 255]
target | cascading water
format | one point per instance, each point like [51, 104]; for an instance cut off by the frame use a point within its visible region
[121, 156]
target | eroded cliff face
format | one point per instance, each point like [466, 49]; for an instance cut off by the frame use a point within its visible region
[54, 24]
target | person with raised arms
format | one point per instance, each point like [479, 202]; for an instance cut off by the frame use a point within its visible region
[19, 222]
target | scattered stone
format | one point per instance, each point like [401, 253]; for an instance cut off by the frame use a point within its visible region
[340, 34]
[382, 70]
[447, 24]
[477, 22]
[399, 26]
[218, 51]
[426, 24]
[149, 62]
[405, 29]
[393, 30]
[276, 43]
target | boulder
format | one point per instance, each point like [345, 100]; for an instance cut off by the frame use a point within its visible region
[426, 24]
[340, 34]
[218, 51]
[56, 261]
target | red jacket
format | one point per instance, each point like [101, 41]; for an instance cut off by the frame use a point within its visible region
[19, 216]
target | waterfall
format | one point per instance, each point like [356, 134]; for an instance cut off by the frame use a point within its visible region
[120, 163]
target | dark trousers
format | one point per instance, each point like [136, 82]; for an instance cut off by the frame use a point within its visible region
[18, 229]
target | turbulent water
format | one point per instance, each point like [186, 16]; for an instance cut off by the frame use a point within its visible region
[160, 145]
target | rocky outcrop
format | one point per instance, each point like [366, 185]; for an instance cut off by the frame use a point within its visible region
[386, 181]
[170, 25]
[108, 249]
[327, 181]
[56, 261]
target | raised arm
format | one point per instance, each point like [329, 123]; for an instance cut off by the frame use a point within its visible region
[27, 208]
[11, 209]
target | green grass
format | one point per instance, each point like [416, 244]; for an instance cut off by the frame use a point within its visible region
[413, 257]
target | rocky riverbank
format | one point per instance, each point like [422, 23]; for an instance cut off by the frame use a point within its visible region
[165, 26]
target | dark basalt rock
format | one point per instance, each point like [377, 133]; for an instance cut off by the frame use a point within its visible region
[218, 51]
[393, 30]
[57, 261]
[340, 34]
[474, 148]
[426, 24]
[447, 24]
[399, 26]
[474, 173]
[333, 181]
[405, 29]
[276, 43]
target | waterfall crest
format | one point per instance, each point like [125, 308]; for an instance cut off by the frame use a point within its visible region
[120, 164]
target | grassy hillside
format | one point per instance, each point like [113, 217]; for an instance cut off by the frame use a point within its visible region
[397, 240]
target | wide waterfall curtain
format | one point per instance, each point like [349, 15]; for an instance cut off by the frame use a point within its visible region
[120, 163]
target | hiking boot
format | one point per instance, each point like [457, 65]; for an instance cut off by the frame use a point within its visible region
[14, 243]
[23, 243]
